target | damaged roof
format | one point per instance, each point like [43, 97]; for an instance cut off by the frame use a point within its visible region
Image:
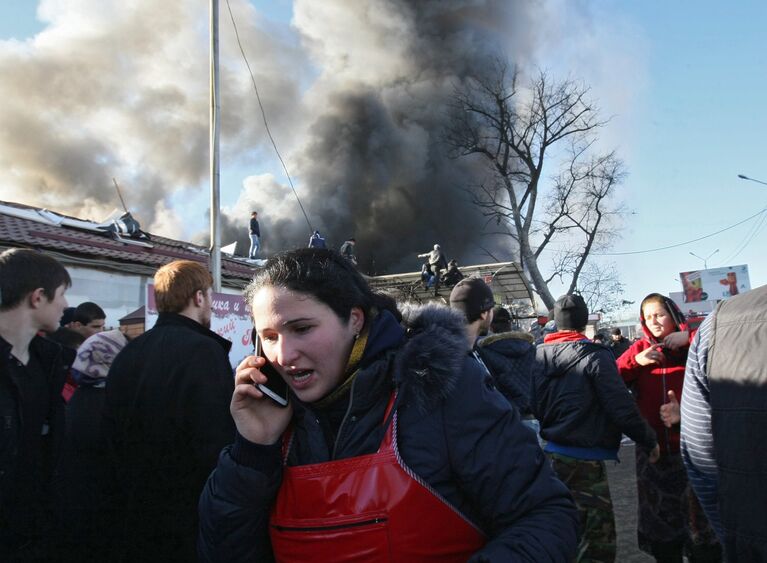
[75, 241]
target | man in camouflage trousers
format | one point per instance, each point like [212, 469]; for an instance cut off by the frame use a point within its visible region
[587, 481]
[583, 408]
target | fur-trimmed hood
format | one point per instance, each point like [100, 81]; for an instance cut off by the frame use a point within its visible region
[429, 363]
[512, 335]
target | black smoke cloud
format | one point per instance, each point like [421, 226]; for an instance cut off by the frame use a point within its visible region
[375, 166]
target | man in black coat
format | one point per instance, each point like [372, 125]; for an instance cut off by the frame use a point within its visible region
[508, 356]
[165, 420]
[32, 288]
[618, 342]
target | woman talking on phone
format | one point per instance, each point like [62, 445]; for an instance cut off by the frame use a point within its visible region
[671, 522]
[394, 445]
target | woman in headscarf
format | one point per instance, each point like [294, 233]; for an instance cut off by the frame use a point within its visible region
[671, 521]
[83, 484]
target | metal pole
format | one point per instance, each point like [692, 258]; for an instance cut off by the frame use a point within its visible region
[120, 195]
[215, 108]
[743, 177]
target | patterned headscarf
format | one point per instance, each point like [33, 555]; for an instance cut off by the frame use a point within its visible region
[95, 357]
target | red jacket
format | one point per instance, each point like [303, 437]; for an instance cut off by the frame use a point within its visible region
[650, 384]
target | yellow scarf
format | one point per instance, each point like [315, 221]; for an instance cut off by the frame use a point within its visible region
[350, 370]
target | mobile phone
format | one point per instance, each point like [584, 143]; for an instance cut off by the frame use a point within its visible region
[275, 387]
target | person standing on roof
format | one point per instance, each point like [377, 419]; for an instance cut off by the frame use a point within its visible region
[438, 262]
[255, 236]
[317, 240]
[347, 250]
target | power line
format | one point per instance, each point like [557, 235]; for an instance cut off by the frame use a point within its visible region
[681, 243]
[747, 239]
[263, 115]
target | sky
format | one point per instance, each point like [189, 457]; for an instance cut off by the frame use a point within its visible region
[96, 90]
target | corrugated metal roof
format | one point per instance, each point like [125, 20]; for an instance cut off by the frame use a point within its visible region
[505, 279]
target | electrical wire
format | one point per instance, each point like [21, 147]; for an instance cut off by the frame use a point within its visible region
[681, 243]
[263, 115]
[748, 238]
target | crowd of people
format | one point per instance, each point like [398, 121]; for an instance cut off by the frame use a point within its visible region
[407, 433]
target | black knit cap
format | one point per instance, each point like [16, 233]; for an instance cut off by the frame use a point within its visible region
[571, 312]
[472, 296]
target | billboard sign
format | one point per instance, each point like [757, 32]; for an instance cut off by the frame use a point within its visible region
[714, 284]
[230, 319]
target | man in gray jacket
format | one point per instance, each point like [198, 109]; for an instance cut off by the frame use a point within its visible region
[724, 423]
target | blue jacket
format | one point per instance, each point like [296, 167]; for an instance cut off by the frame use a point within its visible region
[456, 432]
[510, 357]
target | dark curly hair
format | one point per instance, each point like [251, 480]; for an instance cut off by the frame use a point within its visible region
[324, 275]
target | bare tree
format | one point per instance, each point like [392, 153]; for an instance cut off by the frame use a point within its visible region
[601, 288]
[517, 131]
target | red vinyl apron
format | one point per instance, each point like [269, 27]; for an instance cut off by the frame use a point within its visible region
[369, 508]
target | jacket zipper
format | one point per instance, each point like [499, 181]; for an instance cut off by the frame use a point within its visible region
[343, 421]
[663, 402]
[328, 528]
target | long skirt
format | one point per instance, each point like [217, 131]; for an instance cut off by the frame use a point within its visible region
[671, 521]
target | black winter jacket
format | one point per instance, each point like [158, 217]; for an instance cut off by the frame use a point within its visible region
[166, 418]
[580, 400]
[84, 460]
[27, 494]
[456, 431]
[510, 357]
[620, 346]
[254, 229]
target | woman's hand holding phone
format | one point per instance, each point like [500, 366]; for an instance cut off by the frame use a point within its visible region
[258, 418]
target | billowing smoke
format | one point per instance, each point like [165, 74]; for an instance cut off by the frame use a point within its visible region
[373, 164]
[113, 89]
[355, 93]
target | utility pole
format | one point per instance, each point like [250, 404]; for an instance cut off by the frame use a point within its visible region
[215, 177]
